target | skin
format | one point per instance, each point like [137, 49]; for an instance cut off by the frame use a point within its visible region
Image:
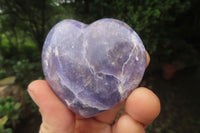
[140, 109]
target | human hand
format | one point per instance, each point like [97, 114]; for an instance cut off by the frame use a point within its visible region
[140, 109]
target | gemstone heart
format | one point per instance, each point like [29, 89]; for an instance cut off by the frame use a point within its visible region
[91, 68]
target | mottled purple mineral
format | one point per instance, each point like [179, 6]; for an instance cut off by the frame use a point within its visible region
[93, 67]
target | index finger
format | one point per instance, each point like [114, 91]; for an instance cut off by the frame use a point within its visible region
[143, 105]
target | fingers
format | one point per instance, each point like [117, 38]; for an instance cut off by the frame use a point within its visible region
[92, 126]
[143, 105]
[110, 115]
[56, 117]
[126, 124]
[141, 108]
[148, 59]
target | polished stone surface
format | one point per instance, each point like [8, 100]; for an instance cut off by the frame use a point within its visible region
[91, 68]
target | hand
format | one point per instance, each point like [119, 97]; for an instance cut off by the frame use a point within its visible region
[140, 109]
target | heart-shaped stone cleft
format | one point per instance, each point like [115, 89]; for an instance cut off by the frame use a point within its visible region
[91, 68]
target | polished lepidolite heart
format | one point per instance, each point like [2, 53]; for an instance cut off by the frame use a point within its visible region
[93, 67]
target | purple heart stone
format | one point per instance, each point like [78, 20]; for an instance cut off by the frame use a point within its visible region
[92, 68]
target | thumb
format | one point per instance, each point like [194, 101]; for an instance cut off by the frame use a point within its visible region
[56, 117]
